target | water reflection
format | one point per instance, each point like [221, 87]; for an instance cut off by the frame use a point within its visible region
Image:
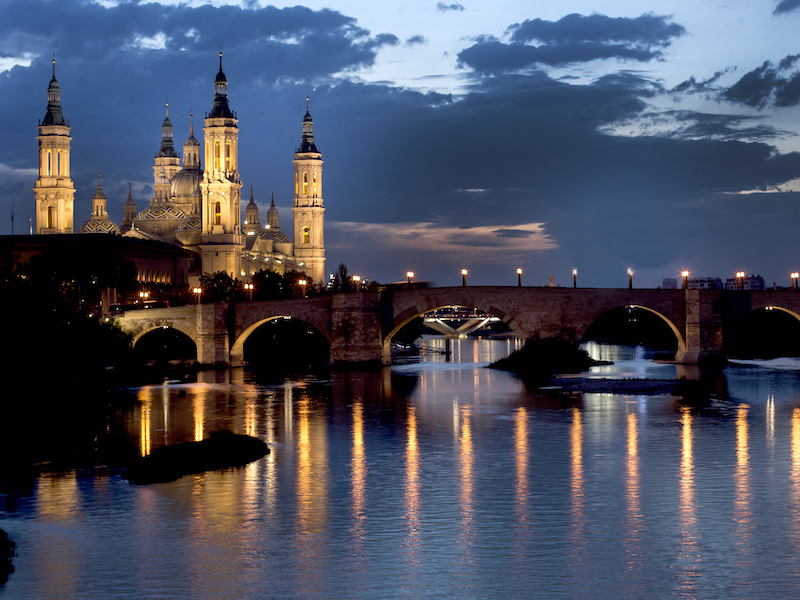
[689, 550]
[453, 481]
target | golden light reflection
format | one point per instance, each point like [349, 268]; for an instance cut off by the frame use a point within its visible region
[742, 514]
[521, 491]
[466, 459]
[795, 479]
[359, 472]
[199, 412]
[57, 496]
[412, 505]
[633, 535]
[577, 537]
[312, 471]
[145, 420]
[689, 549]
[250, 416]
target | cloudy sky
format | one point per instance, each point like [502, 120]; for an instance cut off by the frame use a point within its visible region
[482, 135]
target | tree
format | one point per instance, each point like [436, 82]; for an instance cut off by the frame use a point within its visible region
[219, 287]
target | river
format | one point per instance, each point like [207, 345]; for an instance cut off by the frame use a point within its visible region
[436, 478]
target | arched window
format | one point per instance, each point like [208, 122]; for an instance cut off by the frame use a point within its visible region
[216, 155]
[305, 184]
[306, 235]
[296, 183]
[217, 213]
[227, 156]
[49, 163]
[315, 184]
[49, 217]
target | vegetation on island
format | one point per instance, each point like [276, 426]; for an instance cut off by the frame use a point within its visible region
[222, 450]
[539, 359]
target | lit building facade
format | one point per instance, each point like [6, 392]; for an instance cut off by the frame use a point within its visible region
[194, 208]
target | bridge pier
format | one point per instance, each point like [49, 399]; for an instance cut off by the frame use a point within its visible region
[212, 334]
[356, 328]
[703, 327]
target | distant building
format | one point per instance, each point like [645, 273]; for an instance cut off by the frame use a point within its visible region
[704, 283]
[753, 283]
[669, 283]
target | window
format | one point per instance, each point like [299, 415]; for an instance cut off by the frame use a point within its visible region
[217, 213]
[315, 184]
[216, 155]
[49, 217]
[296, 183]
[49, 163]
[306, 235]
[305, 184]
[227, 156]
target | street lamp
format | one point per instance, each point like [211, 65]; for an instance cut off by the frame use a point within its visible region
[464, 277]
[197, 291]
[630, 278]
[303, 284]
[795, 275]
[144, 296]
[249, 288]
[739, 277]
[685, 275]
[357, 281]
[574, 278]
[410, 275]
[519, 277]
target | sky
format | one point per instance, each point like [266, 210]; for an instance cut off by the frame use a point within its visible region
[488, 136]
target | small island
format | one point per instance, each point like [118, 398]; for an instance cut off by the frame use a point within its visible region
[222, 450]
[539, 359]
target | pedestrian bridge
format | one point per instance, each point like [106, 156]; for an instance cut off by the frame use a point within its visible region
[360, 325]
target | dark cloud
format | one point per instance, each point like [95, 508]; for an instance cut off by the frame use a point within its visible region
[706, 86]
[766, 85]
[441, 6]
[416, 39]
[785, 6]
[647, 31]
[511, 233]
[572, 39]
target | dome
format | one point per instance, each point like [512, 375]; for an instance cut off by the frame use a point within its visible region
[186, 183]
[191, 224]
[276, 235]
[161, 214]
[99, 226]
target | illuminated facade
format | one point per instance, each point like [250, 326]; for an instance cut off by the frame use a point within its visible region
[54, 193]
[199, 210]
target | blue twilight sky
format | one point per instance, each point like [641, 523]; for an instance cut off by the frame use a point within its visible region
[482, 135]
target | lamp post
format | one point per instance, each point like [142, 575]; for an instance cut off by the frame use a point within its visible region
[303, 284]
[410, 275]
[739, 277]
[249, 288]
[197, 291]
[464, 277]
[795, 275]
[519, 277]
[357, 281]
[685, 275]
[574, 278]
[630, 279]
[143, 296]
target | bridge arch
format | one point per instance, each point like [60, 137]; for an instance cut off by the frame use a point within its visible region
[766, 330]
[426, 304]
[153, 335]
[237, 349]
[679, 337]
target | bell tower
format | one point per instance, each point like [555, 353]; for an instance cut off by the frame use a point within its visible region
[222, 239]
[54, 192]
[308, 210]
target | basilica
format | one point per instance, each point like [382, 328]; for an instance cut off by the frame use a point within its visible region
[193, 208]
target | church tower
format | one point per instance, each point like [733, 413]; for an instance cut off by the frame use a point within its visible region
[54, 193]
[222, 239]
[166, 157]
[308, 210]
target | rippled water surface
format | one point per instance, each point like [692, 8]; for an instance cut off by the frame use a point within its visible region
[436, 479]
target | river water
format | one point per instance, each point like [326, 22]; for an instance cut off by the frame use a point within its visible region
[436, 479]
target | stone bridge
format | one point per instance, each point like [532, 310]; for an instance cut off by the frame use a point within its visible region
[360, 326]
